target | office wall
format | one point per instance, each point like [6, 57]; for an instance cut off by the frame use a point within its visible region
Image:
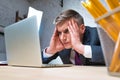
[7, 17]
[8, 9]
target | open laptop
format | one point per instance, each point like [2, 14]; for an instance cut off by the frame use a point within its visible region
[108, 48]
[23, 44]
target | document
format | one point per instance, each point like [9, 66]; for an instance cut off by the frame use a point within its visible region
[37, 13]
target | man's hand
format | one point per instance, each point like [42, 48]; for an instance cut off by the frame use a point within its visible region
[55, 43]
[75, 36]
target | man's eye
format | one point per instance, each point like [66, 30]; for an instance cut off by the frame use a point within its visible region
[59, 33]
[66, 31]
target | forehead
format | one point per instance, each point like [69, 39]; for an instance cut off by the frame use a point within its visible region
[62, 26]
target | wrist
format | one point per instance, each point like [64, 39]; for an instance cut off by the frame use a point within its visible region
[48, 50]
[80, 48]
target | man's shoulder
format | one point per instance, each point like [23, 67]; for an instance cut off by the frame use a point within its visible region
[89, 27]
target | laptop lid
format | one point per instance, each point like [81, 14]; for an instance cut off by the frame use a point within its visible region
[108, 49]
[107, 46]
[22, 43]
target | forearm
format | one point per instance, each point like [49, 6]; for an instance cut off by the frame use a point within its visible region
[97, 54]
[79, 48]
[46, 54]
[94, 52]
[46, 57]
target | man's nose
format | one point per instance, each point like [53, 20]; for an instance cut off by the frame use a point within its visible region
[63, 37]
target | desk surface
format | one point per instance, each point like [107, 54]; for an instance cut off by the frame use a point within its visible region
[61, 73]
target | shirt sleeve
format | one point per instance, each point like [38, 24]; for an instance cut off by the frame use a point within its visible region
[46, 55]
[87, 51]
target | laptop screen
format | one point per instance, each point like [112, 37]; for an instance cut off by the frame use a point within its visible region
[22, 43]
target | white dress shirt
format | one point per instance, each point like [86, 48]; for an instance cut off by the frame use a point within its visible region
[87, 53]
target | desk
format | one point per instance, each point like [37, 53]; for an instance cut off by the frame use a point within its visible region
[61, 73]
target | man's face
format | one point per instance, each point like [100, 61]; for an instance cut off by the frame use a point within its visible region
[64, 34]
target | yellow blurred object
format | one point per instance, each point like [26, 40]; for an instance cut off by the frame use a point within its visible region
[110, 22]
[115, 62]
[98, 5]
[112, 5]
[89, 9]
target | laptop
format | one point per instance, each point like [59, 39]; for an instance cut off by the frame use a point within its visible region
[108, 49]
[23, 44]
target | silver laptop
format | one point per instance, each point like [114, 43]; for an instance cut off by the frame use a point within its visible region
[108, 49]
[23, 44]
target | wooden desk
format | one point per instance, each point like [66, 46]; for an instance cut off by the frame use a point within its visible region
[62, 73]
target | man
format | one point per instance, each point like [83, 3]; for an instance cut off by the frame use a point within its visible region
[71, 40]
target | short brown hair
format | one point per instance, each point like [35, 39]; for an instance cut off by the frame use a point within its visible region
[68, 14]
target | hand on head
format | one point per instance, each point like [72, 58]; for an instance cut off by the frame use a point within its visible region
[62, 38]
[74, 31]
[55, 43]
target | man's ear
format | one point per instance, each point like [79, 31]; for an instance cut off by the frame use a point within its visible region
[82, 28]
